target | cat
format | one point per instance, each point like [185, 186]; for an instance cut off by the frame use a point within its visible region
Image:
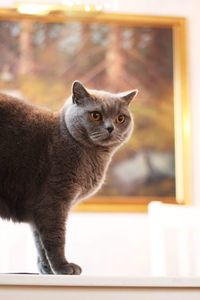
[50, 161]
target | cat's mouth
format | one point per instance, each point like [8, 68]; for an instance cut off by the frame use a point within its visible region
[104, 140]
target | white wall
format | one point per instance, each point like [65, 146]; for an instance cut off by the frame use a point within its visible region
[118, 243]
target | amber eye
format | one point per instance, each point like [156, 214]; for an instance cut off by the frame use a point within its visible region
[120, 119]
[95, 115]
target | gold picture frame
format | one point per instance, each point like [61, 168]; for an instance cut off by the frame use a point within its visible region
[180, 98]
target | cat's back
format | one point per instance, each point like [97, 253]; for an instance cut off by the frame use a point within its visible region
[15, 111]
[21, 120]
[14, 116]
[23, 127]
[10, 106]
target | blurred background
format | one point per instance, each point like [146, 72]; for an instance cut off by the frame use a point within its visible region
[164, 242]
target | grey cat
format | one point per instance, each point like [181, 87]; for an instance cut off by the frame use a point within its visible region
[50, 161]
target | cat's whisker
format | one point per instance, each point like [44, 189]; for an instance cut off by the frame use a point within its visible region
[98, 135]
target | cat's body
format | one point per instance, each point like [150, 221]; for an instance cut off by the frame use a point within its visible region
[48, 162]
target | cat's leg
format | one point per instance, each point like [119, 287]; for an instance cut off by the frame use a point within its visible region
[52, 237]
[42, 261]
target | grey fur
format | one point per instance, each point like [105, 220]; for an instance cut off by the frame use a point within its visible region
[49, 162]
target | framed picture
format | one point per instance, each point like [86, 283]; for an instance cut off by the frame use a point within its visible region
[42, 56]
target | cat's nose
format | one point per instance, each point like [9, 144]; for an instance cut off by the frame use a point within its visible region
[110, 128]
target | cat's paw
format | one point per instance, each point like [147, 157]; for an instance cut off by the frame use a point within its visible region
[44, 267]
[69, 269]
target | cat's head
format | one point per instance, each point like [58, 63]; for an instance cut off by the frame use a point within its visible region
[98, 117]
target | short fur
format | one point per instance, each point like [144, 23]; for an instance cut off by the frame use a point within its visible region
[49, 161]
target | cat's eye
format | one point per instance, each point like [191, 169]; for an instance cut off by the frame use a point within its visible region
[95, 115]
[120, 119]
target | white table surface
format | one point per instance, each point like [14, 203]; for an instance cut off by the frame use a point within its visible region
[51, 287]
[98, 281]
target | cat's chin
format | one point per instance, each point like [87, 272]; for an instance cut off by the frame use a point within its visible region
[106, 142]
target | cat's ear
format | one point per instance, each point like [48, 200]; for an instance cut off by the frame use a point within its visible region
[78, 92]
[128, 97]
